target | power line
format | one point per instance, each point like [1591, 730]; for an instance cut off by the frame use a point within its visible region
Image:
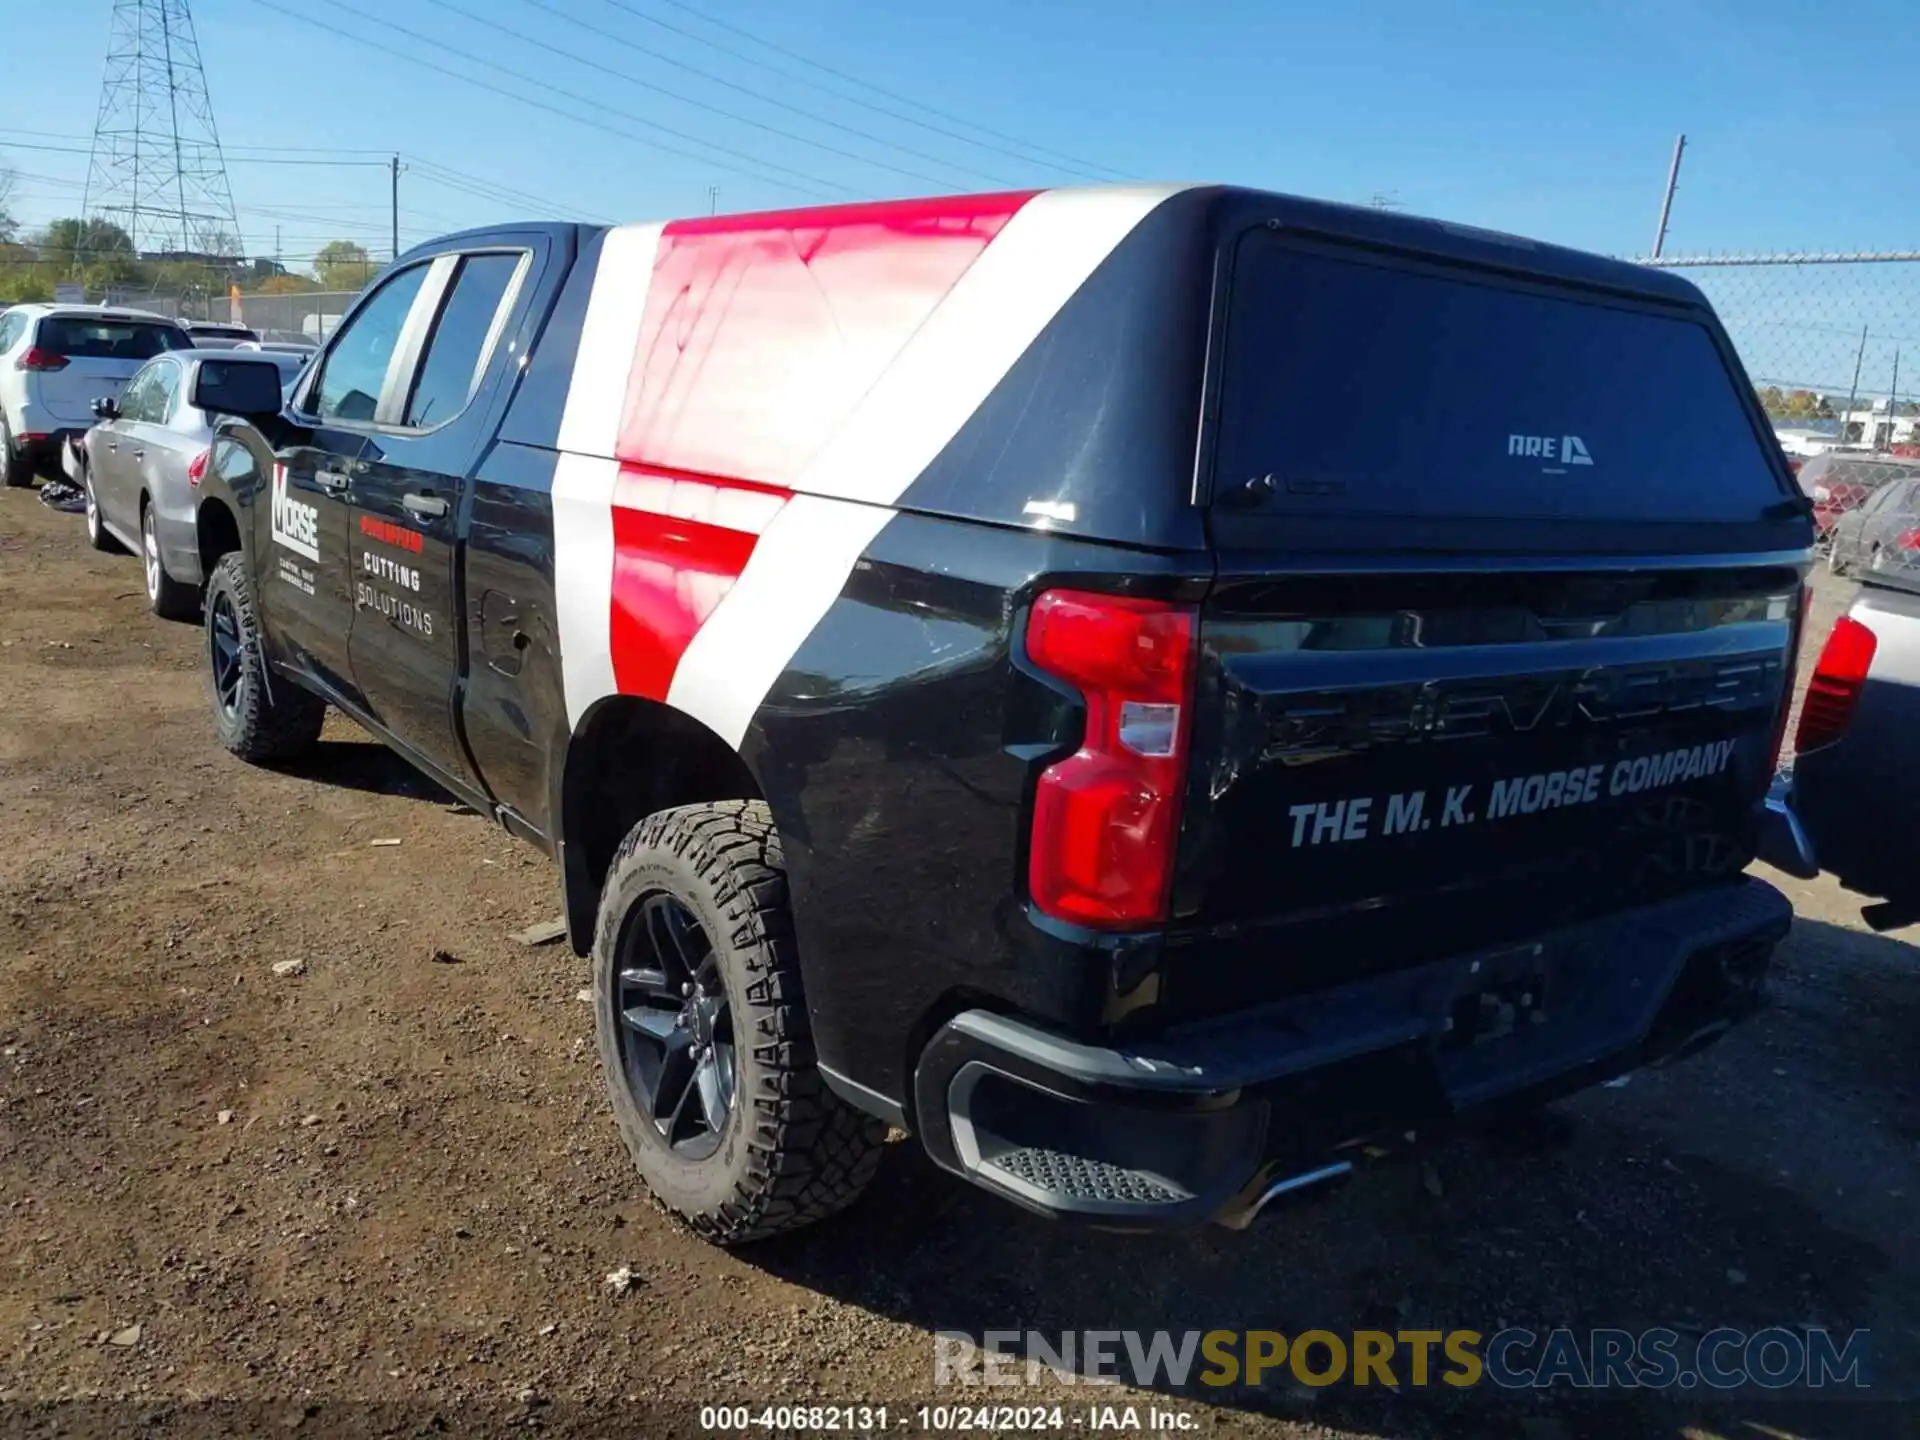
[761, 96]
[723, 113]
[542, 105]
[485, 189]
[1084, 168]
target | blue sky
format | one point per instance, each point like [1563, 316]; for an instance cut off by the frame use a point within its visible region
[1553, 118]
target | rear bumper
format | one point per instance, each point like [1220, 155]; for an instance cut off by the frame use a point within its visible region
[1211, 1122]
[45, 450]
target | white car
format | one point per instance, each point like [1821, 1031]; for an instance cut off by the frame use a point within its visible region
[55, 361]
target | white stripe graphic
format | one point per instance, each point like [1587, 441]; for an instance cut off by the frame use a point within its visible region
[583, 577]
[943, 374]
[969, 343]
[609, 340]
[584, 475]
[794, 575]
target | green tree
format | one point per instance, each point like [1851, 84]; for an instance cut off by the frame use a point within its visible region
[342, 265]
[88, 244]
[9, 227]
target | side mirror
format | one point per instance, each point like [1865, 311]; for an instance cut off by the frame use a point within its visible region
[105, 407]
[247, 388]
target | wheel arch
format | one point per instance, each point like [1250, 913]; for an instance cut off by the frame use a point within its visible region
[627, 758]
[216, 531]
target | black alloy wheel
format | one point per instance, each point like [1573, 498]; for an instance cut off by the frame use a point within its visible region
[225, 652]
[675, 1039]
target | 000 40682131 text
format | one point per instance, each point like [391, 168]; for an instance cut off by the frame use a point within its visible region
[1332, 822]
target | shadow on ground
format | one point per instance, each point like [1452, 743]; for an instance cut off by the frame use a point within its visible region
[368, 766]
[1621, 1223]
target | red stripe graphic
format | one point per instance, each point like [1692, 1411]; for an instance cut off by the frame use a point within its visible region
[762, 332]
[680, 541]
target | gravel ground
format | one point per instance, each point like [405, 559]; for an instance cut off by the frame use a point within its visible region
[383, 1195]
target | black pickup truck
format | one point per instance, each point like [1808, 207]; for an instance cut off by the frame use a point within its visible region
[1143, 689]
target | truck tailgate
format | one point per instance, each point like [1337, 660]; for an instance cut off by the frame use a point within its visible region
[1390, 769]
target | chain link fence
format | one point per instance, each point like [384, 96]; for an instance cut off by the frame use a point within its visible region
[308, 315]
[1832, 343]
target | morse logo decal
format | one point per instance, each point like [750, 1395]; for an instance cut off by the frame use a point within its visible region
[295, 525]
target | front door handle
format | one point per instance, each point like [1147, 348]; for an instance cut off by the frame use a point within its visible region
[139, 454]
[330, 481]
[430, 507]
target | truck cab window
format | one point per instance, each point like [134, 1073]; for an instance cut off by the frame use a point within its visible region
[356, 367]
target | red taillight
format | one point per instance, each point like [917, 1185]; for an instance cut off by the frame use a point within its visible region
[1105, 818]
[197, 467]
[1835, 687]
[37, 359]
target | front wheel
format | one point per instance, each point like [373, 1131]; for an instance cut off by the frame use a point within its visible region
[255, 722]
[1835, 564]
[703, 1031]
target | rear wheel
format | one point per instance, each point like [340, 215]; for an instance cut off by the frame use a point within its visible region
[166, 596]
[98, 535]
[703, 1031]
[1835, 564]
[254, 722]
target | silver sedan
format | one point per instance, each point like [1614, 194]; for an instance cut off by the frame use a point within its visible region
[142, 463]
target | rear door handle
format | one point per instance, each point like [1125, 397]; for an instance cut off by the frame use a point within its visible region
[427, 506]
[139, 454]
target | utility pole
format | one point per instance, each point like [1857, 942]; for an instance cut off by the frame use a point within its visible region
[397, 168]
[713, 199]
[1666, 203]
[1854, 394]
[1893, 404]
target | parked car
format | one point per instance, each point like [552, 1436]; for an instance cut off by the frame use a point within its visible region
[1883, 530]
[55, 360]
[1850, 805]
[284, 347]
[143, 462]
[925, 738]
[1837, 481]
[219, 334]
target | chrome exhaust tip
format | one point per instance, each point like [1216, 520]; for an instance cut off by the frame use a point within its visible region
[1289, 1185]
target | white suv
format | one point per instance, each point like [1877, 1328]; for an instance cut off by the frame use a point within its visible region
[55, 361]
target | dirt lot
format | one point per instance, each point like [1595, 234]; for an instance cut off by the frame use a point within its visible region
[384, 1195]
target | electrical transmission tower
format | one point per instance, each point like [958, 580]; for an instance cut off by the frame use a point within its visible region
[157, 171]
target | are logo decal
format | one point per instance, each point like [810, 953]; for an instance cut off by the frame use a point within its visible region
[1565, 449]
[295, 525]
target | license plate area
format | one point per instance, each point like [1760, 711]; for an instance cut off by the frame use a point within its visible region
[1501, 998]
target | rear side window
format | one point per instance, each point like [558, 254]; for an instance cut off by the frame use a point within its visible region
[458, 349]
[80, 338]
[1374, 390]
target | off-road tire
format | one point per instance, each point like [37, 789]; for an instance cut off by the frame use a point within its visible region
[15, 473]
[264, 724]
[792, 1152]
[166, 596]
